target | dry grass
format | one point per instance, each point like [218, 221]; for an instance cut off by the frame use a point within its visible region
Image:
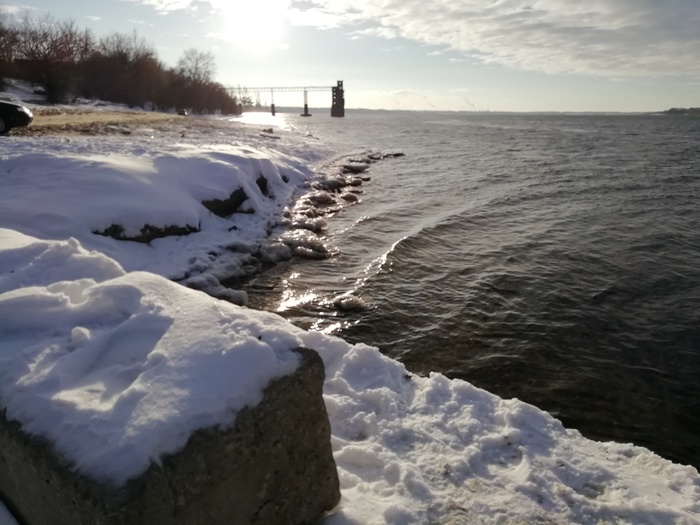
[49, 121]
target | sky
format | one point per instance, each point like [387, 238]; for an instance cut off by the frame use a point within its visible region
[116, 364]
[497, 55]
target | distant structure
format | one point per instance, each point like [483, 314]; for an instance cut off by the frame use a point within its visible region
[337, 94]
[338, 101]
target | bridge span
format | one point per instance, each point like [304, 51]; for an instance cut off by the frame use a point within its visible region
[337, 95]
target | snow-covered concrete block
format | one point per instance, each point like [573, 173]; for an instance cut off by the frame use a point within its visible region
[274, 465]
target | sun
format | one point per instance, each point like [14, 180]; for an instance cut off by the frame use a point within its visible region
[254, 25]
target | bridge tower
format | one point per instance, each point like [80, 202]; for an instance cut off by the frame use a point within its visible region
[338, 102]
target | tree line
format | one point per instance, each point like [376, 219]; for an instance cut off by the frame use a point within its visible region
[683, 111]
[66, 62]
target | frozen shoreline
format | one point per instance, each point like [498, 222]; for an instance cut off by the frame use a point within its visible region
[409, 449]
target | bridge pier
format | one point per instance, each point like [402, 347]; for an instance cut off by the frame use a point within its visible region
[306, 105]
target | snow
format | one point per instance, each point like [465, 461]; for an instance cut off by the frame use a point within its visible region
[136, 182]
[119, 368]
[101, 352]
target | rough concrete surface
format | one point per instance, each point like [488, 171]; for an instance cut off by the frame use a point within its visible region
[274, 466]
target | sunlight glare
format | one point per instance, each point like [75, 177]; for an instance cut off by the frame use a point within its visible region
[256, 26]
[263, 118]
[291, 300]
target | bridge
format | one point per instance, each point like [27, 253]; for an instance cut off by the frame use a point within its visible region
[337, 96]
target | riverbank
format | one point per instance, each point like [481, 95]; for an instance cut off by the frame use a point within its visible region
[409, 449]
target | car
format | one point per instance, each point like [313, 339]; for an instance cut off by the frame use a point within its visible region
[182, 112]
[13, 116]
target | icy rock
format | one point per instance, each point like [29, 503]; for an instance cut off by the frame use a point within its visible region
[349, 197]
[316, 225]
[275, 465]
[335, 184]
[355, 167]
[320, 198]
[349, 303]
[148, 233]
[275, 252]
[229, 206]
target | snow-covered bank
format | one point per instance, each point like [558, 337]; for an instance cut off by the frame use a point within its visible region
[118, 368]
[409, 449]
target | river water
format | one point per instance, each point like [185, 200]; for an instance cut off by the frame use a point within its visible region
[552, 258]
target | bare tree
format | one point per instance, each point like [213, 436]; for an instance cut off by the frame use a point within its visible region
[123, 68]
[198, 66]
[8, 42]
[129, 48]
[48, 40]
[64, 59]
[8, 39]
[51, 50]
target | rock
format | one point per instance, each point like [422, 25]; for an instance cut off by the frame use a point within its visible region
[147, 233]
[349, 303]
[226, 207]
[316, 225]
[335, 184]
[309, 253]
[261, 181]
[320, 198]
[275, 465]
[349, 197]
[355, 167]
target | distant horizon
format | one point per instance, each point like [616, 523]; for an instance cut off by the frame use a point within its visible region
[284, 109]
[459, 55]
[289, 109]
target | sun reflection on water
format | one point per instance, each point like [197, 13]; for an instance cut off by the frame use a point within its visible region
[263, 118]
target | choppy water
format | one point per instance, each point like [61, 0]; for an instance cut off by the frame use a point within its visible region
[552, 258]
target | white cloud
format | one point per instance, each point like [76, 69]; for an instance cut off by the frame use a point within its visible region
[623, 38]
[597, 37]
[441, 100]
[312, 17]
[15, 9]
[167, 5]
[232, 6]
[388, 33]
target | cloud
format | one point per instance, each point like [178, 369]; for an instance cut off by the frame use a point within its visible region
[167, 5]
[231, 6]
[388, 33]
[15, 9]
[312, 17]
[620, 38]
[611, 38]
[452, 99]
